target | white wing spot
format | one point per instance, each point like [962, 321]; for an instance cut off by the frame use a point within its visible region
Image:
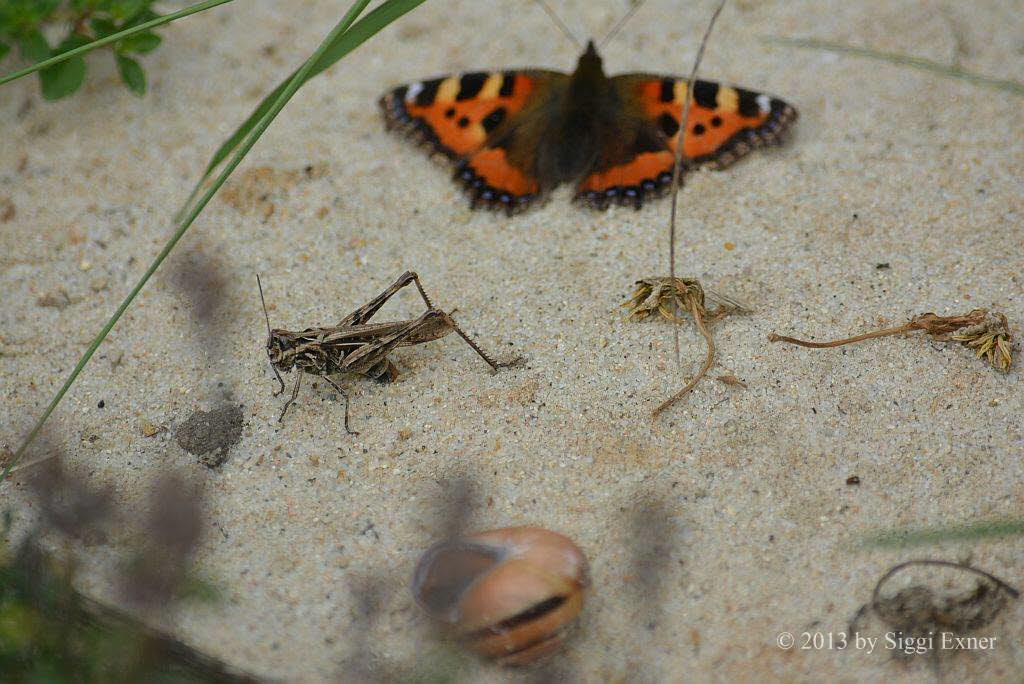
[413, 91]
[764, 103]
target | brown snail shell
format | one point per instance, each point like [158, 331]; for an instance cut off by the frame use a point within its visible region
[510, 594]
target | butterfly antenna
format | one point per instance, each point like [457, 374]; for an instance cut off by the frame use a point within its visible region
[264, 303]
[560, 24]
[636, 5]
[679, 160]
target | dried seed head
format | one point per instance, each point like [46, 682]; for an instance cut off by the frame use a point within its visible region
[510, 594]
[672, 297]
[990, 339]
[666, 296]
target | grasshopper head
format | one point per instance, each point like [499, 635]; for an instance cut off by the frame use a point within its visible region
[277, 351]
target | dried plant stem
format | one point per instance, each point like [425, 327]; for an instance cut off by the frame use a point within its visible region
[677, 165]
[944, 564]
[907, 327]
[987, 334]
[699, 320]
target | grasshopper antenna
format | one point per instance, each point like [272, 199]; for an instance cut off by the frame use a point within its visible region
[266, 316]
[636, 5]
[683, 127]
[560, 24]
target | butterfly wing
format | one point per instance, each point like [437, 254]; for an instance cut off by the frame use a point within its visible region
[472, 118]
[725, 123]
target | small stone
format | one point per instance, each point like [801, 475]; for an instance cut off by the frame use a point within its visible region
[148, 428]
[58, 299]
[729, 246]
[210, 434]
[404, 434]
[98, 284]
[85, 264]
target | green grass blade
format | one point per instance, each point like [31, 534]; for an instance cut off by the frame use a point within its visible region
[1014, 87]
[344, 44]
[970, 532]
[113, 38]
[290, 87]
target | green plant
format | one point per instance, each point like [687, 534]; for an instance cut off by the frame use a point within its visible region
[1014, 87]
[49, 632]
[962, 532]
[24, 22]
[346, 36]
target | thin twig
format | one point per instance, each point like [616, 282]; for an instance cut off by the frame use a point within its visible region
[677, 165]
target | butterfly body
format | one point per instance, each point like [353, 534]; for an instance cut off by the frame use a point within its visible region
[516, 135]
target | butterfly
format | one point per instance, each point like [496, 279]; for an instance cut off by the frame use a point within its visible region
[516, 135]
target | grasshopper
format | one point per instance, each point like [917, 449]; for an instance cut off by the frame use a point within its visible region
[356, 346]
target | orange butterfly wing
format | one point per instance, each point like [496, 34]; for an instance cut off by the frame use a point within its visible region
[465, 117]
[725, 123]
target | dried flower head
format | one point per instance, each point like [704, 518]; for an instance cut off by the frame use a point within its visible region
[990, 339]
[672, 297]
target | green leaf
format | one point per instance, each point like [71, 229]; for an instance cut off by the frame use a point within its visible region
[126, 9]
[140, 43]
[34, 47]
[62, 79]
[102, 27]
[18, 17]
[73, 41]
[141, 17]
[131, 74]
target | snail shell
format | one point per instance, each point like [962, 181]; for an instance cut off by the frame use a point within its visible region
[511, 594]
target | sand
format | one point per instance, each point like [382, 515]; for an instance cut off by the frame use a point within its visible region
[710, 531]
